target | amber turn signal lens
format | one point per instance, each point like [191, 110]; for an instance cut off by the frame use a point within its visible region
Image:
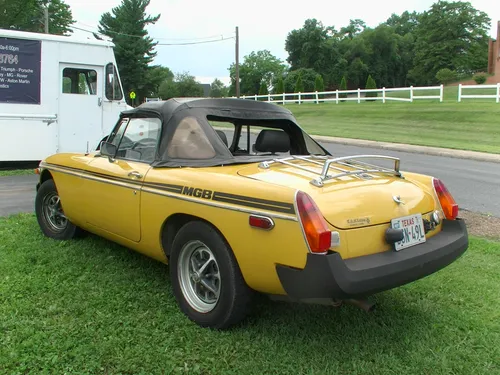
[448, 204]
[318, 236]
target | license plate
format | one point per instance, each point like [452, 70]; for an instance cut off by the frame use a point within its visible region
[413, 231]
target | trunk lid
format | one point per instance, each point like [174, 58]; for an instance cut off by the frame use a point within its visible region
[349, 201]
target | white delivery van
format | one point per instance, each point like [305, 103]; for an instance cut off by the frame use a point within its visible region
[57, 94]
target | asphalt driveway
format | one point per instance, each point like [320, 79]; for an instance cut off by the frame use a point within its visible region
[17, 194]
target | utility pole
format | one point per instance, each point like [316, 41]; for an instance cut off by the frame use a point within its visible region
[237, 64]
[46, 13]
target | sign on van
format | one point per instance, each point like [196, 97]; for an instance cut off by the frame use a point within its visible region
[20, 61]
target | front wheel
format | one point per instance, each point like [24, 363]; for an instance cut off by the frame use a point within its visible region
[50, 215]
[206, 279]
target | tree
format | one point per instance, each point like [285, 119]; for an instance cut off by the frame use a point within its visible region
[257, 67]
[446, 76]
[28, 15]
[183, 85]
[307, 76]
[168, 89]
[343, 87]
[187, 85]
[370, 85]
[319, 85]
[404, 24]
[134, 49]
[308, 46]
[353, 29]
[155, 76]
[451, 35]
[279, 87]
[217, 89]
[263, 90]
[299, 86]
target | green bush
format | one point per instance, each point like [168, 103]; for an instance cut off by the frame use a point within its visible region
[480, 78]
[280, 86]
[319, 85]
[371, 84]
[299, 86]
[263, 90]
[446, 76]
[343, 86]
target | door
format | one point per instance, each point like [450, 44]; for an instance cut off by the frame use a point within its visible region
[112, 189]
[80, 107]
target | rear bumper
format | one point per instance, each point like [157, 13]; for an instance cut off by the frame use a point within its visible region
[329, 276]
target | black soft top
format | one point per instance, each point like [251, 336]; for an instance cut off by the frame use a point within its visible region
[228, 107]
[175, 111]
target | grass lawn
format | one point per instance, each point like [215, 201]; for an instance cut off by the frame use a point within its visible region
[472, 124]
[89, 306]
[16, 172]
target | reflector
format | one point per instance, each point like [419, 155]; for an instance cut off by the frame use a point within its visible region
[261, 222]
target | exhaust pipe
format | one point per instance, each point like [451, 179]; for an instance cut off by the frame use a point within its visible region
[362, 304]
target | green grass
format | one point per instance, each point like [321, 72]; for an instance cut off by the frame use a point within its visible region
[91, 307]
[16, 172]
[473, 124]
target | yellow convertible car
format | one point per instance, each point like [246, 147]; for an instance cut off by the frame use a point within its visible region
[237, 199]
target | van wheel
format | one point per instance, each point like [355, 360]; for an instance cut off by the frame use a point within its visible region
[206, 279]
[50, 215]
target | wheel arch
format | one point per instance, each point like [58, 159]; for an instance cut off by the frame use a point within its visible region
[44, 176]
[174, 223]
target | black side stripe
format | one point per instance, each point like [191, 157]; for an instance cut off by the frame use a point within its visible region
[241, 200]
[167, 187]
[254, 202]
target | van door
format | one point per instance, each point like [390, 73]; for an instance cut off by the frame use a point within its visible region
[113, 99]
[80, 107]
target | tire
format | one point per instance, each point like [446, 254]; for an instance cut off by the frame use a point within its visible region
[50, 214]
[195, 243]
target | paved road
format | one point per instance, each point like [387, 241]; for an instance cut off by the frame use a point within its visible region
[17, 194]
[474, 184]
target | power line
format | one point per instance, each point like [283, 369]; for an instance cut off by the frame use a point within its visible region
[189, 43]
[139, 36]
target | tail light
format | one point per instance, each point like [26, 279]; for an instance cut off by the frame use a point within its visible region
[315, 228]
[448, 204]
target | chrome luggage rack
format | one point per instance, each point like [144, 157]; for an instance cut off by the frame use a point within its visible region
[363, 169]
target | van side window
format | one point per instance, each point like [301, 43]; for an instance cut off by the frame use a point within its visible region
[113, 90]
[79, 81]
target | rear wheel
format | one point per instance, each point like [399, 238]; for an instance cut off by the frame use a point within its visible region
[206, 279]
[50, 215]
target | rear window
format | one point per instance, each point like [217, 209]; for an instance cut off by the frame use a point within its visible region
[190, 141]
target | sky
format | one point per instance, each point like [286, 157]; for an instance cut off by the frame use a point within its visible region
[262, 25]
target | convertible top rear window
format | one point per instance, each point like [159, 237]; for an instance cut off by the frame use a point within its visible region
[190, 141]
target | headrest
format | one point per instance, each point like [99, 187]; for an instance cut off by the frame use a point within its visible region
[222, 136]
[272, 141]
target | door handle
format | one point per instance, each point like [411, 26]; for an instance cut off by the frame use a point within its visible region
[135, 174]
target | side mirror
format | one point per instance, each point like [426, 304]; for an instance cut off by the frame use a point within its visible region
[108, 149]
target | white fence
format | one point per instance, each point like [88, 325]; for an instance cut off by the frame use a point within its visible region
[384, 94]
[496, 96]
[352, 95]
